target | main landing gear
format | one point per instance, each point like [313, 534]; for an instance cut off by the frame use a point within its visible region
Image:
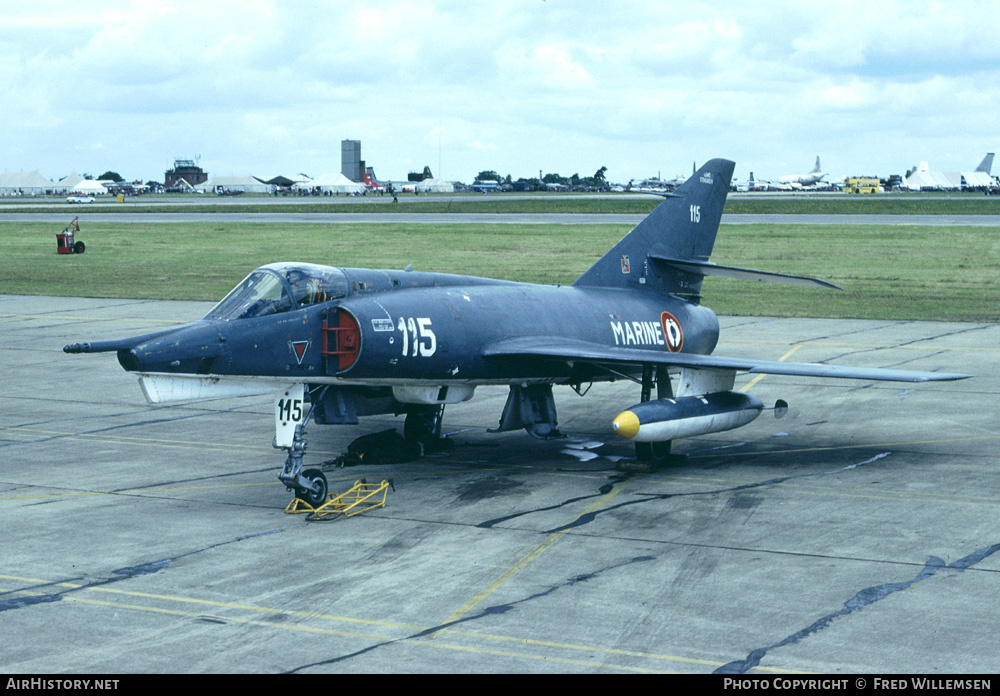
[423, 425]
[655, 453]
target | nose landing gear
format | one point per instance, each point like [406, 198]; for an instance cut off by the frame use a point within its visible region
[290, 429]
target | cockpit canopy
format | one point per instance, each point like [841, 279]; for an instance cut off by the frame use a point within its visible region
[280, 287]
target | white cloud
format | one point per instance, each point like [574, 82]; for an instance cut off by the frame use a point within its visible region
[524, 85]
[548, 67]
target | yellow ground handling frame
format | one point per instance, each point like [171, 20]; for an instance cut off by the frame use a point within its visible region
[362, 497]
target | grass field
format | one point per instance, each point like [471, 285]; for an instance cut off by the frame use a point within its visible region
[897, 272]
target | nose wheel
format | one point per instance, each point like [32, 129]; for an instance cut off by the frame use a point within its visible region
[316, 494]
[309, 485]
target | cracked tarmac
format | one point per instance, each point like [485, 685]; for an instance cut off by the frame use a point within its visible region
[858, 534]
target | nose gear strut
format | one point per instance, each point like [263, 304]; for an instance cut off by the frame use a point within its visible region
[309, 485]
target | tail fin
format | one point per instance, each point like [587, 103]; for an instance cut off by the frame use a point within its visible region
[682, 227]
[987, 164]
[817, 170]
[370, 178]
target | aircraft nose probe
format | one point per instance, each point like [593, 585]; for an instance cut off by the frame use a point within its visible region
[116, 344]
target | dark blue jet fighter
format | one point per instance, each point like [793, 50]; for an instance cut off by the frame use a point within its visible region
[334, 344]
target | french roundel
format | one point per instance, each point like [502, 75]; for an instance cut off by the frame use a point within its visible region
[672, 332]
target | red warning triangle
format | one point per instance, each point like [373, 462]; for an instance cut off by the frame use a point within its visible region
[299, 348]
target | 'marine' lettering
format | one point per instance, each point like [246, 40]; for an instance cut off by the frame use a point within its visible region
[637, 333]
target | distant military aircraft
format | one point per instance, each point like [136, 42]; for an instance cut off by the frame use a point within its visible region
[800, 180]
[333, 344]
[987, 164]
[372, 182]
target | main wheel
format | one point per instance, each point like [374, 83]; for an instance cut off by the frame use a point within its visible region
[79, 248]
[652, 452]
[312, 497]
[423, 424]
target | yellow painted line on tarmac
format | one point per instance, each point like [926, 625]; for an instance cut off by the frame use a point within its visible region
[194, 615]
[204, 602]
[38, 496]
[135, 491]
[157, 442]
[610, 651]
[529, 558]
[345, 478]
[265, 623]
[544, 658]
[352, 634]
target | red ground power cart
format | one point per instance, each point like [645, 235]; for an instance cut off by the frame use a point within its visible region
[65, 240]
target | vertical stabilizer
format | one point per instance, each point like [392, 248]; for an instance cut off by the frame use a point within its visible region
[682, 227]
[987, 164]
[817, 170]
[370, 179]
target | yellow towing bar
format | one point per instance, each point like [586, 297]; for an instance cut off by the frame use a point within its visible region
[362, 497]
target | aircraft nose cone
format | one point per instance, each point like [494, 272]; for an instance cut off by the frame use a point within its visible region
[626, 425]
[190, 349]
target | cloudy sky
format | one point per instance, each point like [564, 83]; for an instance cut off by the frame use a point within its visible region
[271, 87]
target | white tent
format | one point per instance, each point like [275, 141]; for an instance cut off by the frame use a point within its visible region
[435, 186]
[246, 184]
[24, 184]
[68, 182]
[332, 183]
[89, 187]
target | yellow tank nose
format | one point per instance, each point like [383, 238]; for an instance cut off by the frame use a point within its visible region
[626, 425]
